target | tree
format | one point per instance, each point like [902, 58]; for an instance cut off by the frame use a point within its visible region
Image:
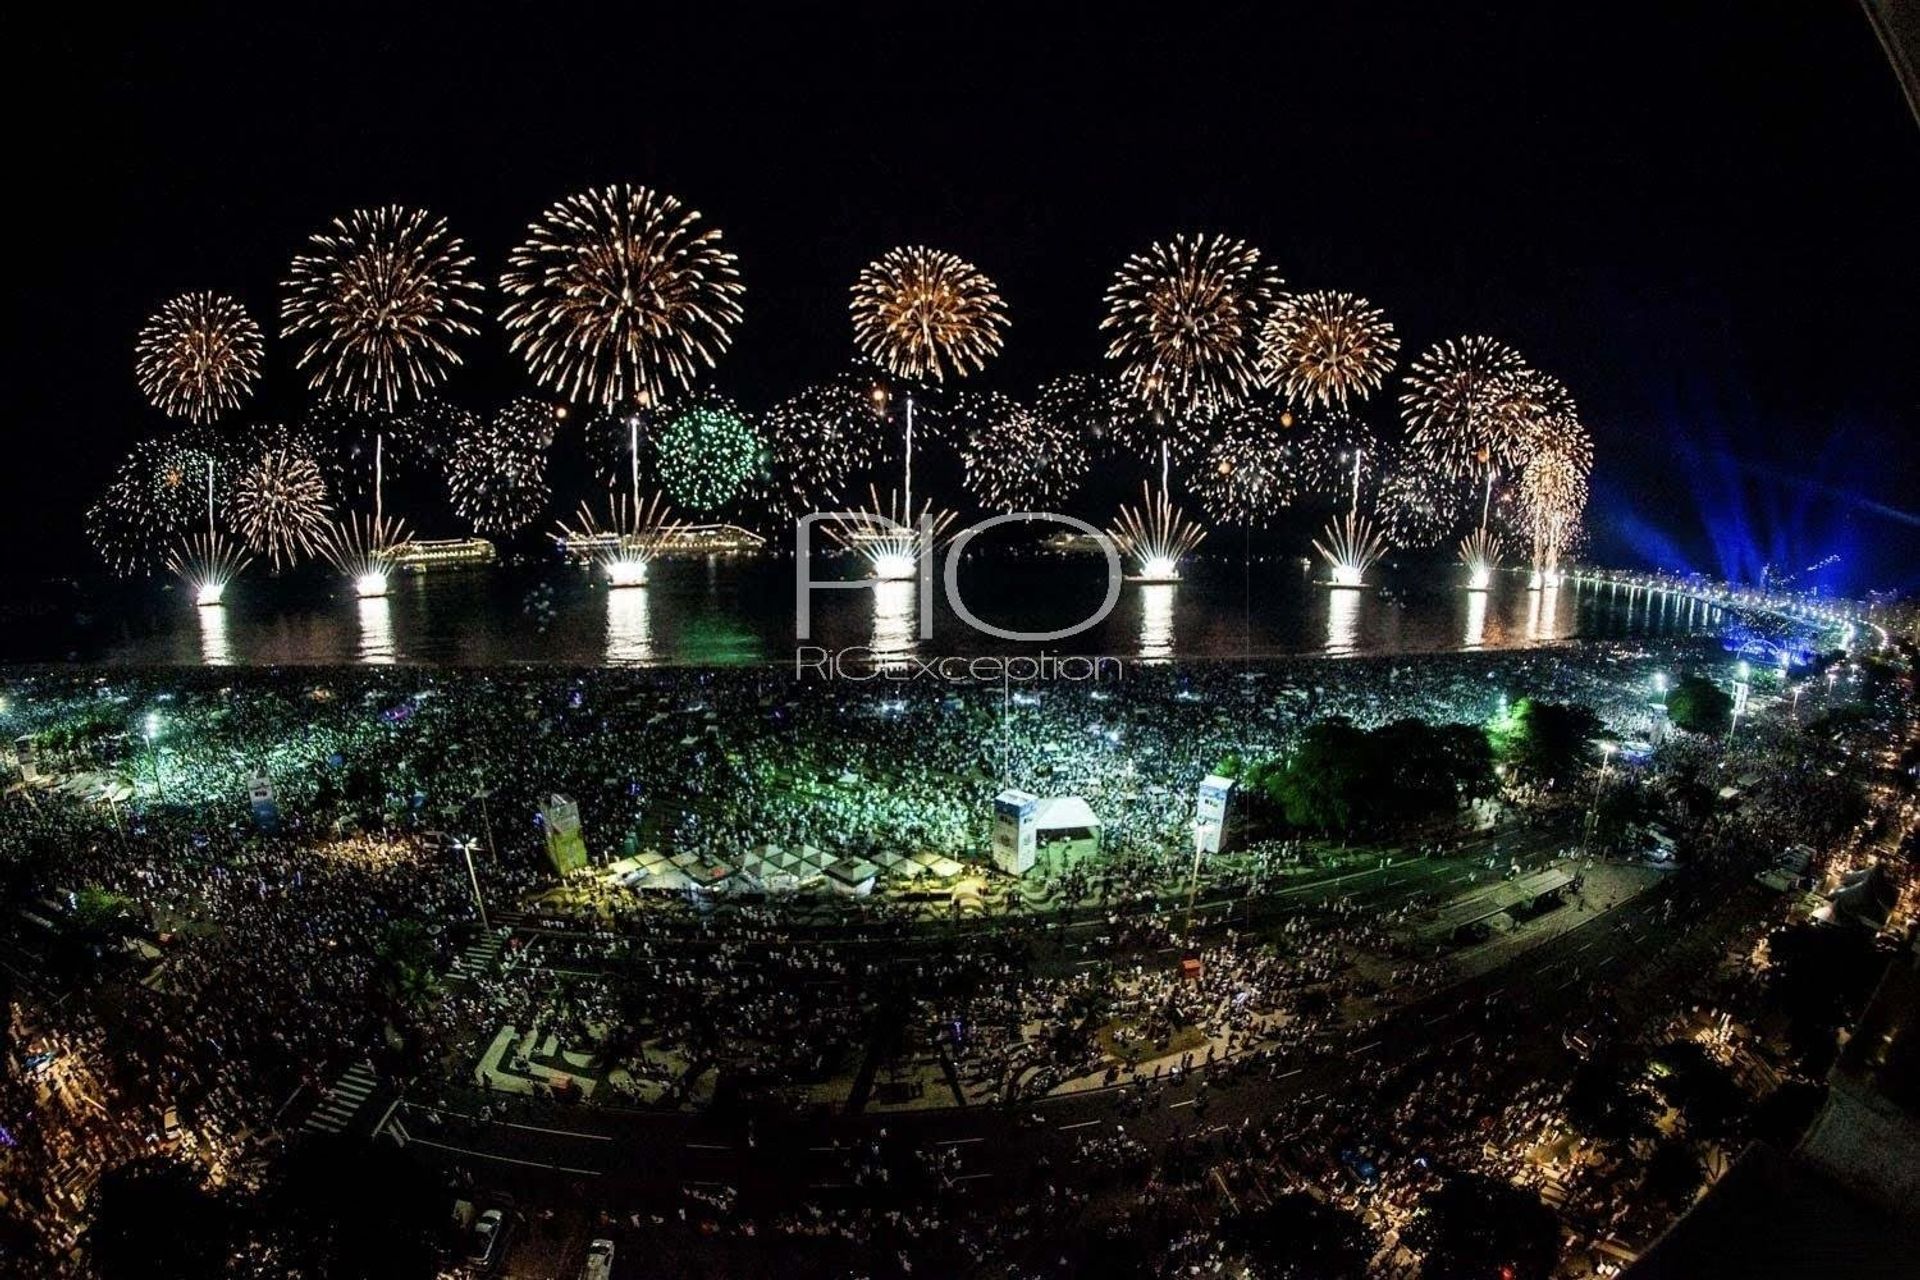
[1325, 777]
[1820, 976]
[1474, 1227]
[154, 1218]
[1701, 1089]
[1674, 1174]
[1603, 1099]
[345, 1211]
[1545, 740]
[1296, 1237]
[1698, 705]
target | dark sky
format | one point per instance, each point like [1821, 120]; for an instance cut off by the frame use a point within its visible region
[1701, 216]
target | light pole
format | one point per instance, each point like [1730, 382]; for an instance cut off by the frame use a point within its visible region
[473, 878]
[1741, 687]
[151, 731]
[1599, 783]
[1200, 833]
[486, 820]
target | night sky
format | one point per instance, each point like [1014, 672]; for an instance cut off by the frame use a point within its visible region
[1702, 217]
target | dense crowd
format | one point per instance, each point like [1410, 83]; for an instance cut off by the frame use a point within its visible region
[256, 950]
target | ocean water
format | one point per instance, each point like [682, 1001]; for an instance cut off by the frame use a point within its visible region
[742, 610]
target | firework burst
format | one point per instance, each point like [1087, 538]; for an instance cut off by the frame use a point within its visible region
[377, 303]
[1093, 408]
[821, 438]
[164, 489]
[1327, 347]
[1330, 441]
[619, 296]
[1248, 471]
[280, 504]
[1552, 498]
[626, 541]
[1016, 458]
[1156, 536]
[497, 472]
[889, 536]
[361, 549]
[1462, 410]
[198, 356]
[1350, 545]
[206, 563]
[924, 313]
[1420, 508]
[1480, 553]
[1185, 316]
[707, 455]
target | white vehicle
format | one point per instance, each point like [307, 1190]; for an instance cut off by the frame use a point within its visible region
[487, 1236]
[599, 1261]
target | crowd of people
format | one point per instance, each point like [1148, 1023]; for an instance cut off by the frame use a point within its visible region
[262, 870]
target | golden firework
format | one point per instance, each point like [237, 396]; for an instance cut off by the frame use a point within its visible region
[1185, 317]
[377, 303]
[1326, 347]
[926, 313]
[198, 356]
[620, 296]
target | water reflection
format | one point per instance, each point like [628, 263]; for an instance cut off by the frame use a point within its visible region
[629, 629]
[1476, 620]
[376, 631]
[894, 620]
[1343, 619]
[1543, 613]
[215, 649]
[1156, 621]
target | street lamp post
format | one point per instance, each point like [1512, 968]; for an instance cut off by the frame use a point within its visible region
[1599, 783]
[151, 730]
[473, 878]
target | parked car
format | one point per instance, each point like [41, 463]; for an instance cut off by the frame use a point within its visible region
[599, 1261]
[489, 1239]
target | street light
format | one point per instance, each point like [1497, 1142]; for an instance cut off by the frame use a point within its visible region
[473, 877]
[151, 730]
[1593, 810]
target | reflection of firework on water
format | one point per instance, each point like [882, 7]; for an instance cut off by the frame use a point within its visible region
[361, 549]
[1462, 414]
[198, 356]
[620, 296]
[706, 455]
[1324, 347]
[206, 563]
[626, 540]
[1156, 536]
[920, 313]
[377, 303]
[1350, 545]
[821, 438]
[1480, 553]
[1185, 316]
[1248, 471]
[1017, 459]
[497, 473]
[280, 504]
[890, 538]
